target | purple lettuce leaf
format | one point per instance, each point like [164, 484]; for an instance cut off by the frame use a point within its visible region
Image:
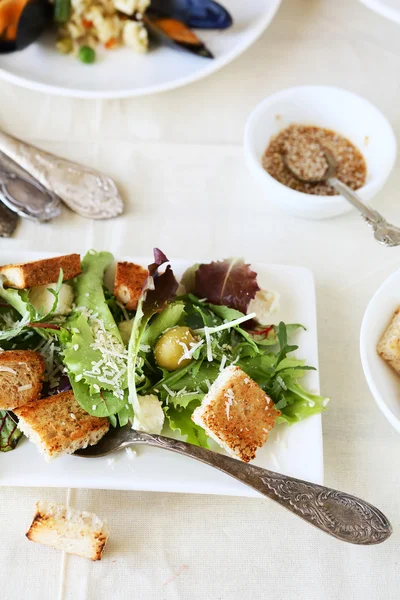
[229, 283]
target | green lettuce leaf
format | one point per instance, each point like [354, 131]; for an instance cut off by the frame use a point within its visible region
[9, 432]
[89, 291]
[79, 354]
[99, 404]
[179, 420]
[169, 317]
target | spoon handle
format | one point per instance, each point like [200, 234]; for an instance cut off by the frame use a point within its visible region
[351, 197]
[341, 515]
[385, 233]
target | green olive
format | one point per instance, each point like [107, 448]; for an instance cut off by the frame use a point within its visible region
[171, 347]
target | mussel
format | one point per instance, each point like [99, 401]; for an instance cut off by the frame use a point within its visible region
[199, 14]
[176, 34]
[21, 22]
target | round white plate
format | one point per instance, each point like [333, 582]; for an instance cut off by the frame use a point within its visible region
[382, 380]
[387, 8]
[123, 73]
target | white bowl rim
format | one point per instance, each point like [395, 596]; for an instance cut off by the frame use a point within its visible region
[364, 343]
[313, 198]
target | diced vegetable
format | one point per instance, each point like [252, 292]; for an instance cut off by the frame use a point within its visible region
[62, 10]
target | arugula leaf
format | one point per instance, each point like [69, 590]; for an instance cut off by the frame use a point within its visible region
[229, 283]
[300, 404]
[9, 432]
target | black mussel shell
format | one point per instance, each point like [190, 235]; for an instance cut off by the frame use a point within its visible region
[199, 14]
[34, 18]
[176, 34]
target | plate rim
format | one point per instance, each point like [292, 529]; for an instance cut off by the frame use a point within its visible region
[384, 11]
[155, 486]
[364, 345]
[215, 66]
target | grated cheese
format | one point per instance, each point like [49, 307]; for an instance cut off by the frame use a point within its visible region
[189, 351]
[22, 388]
[8, 370]
[168, 390]
[111, 369]
[124, 311]
[208, 342]
[230, 395]
[223, 363]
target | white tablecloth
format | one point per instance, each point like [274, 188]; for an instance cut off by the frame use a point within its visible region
[178, 158]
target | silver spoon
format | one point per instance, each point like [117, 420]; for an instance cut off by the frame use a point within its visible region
[384, 232]
[24, 195]
[343, 516]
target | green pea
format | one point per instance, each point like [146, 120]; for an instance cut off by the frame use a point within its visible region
[87, 55]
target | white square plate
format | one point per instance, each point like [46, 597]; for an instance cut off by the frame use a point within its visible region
[295, 450]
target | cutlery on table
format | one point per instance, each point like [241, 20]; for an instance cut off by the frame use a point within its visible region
[343, 516]
[87, 192]
[24, 195]
[385, 233]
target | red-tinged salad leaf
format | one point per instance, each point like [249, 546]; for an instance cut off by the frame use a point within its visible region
[267, 336]
[159, 289]
[229, 283]
[9, 432]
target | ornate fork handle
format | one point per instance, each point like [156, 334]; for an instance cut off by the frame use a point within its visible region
[341, 515]
[385, 233]
[87, 192]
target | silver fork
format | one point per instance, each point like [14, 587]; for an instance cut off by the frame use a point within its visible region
[343, 516]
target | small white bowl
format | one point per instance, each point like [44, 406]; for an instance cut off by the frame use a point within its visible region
[382, 380]
[333, 108]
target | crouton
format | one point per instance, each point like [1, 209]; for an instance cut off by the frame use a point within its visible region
[129, 281]
[21, 377]
[58, 425]
[40, 272]
[389, 345]
[237, 414]
[63, 528]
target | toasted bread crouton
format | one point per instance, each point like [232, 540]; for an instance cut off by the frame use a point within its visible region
[389, 345]
[58, 425]
[237, 414]
[63, 528]
[21, 377]
[129, 281]
[40, 272]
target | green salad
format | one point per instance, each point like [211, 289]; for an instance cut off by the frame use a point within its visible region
[153, 366]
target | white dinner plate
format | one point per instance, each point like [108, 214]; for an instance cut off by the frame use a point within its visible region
[382, 380]
[123, 73]
[387, 8]
[294, 450]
